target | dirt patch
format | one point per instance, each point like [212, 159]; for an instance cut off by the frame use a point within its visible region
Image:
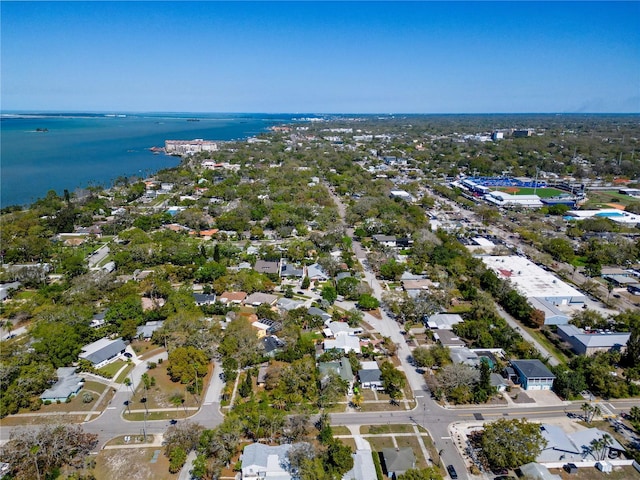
[616, 205]
[511, 190]
[375, 313]
[132, 464]
[522, 397]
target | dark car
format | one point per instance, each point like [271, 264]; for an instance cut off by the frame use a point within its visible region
[128, 355]
[452, 472]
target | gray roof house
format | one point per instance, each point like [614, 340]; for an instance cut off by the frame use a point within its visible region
[264, 266]
[533, 374]
[370, 376]
[288, 270]
[204, 298]
[103, 351]
[444, 321]
[6, 288]
[397, 461]
[574, 446]
[318, 312]
[315, 272]
[258, 298]
[264, 462]
[341, 367]
[146, 331]
[68, 384]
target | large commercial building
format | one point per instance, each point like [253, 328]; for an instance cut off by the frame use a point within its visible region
[532, 281]
[590, 342]
[503, 199]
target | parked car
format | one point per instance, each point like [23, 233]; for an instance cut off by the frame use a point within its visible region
[452, 472]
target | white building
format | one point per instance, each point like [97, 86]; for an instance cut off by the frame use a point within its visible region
[264, 462]
[613, 214]
[532, 281]
[503, 199]
[103, 351]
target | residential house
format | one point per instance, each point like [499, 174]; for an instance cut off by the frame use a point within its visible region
[146, 331]
[204, 298]
[340, 367]
[69, 383]
[271, 345]
[498, 382]
[370, 376]
[288, 304]
[264, 462]
[258, 298]
[444, 321]
[229, 298]
[266, 327]
[385, 240]
[396, 461]
[290, 271]
[448, 339]
[465, 356]
[262, 375]
[589, 342]
[346, 343]
[7, 288]
[98, 320]
[575, 446]
[316, 273]
[318, 312]
[335, 329]
[103, 351]
[267, 267]
[533, 374]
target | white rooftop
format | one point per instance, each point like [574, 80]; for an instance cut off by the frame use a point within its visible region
[529, 278]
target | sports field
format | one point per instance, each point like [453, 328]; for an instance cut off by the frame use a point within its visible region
[545, 192]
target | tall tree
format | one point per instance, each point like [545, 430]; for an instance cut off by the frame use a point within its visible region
[511, 443]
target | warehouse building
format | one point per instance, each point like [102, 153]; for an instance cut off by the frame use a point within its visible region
[532, 281]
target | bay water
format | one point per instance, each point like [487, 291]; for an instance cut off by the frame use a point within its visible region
[42, 152]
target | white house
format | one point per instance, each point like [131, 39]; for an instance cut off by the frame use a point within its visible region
[103, 351]
[264, 462]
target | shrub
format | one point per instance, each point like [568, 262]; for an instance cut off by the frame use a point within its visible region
[152, 365]
[87, 397]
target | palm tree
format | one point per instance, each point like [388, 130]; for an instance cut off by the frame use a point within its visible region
[600, 446]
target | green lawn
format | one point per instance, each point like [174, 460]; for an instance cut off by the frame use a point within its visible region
[111, 369]
[541, 192]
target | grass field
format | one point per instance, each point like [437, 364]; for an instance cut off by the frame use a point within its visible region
[541, 192]
[602, 199]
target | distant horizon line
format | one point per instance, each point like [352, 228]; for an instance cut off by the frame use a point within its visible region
[156, 112]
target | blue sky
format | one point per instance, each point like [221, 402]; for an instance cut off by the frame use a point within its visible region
[325, 57]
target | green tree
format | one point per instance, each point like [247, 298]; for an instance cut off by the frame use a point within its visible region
[184, 362]
[329, 293]
[511, 443]
[368, 302]
[305, 282]
[177, 457]
[393, 380]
